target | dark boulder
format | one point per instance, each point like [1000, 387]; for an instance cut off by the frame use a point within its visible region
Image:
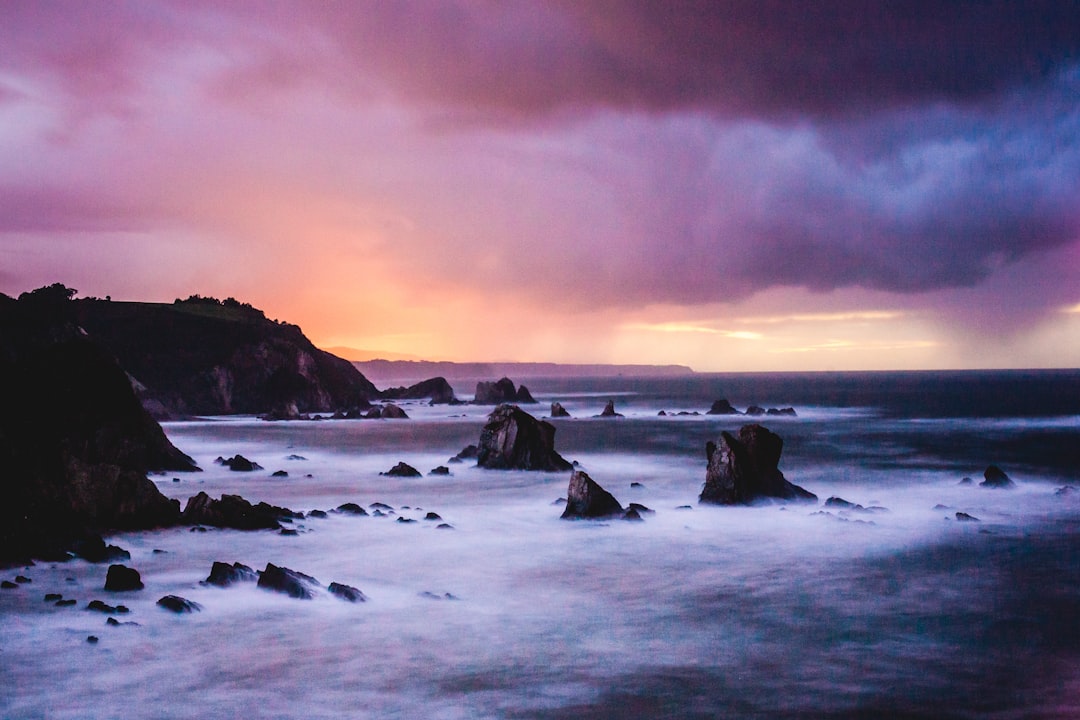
[402, 470]
[586, 499]
[239, 463]
[351, 508]
[346, 592]
[94, 549]
[437, 389]
[468, 452]
[121, 578]
[639, 508]
[179, 605]
[224, 574]
[280, 474]
[393, 412]
[440, 470]
[609, 410]
[513, 439]
[743, 469]
[964, 517]
[558, 411]
[995, 477]
[290, 582]
[432, 516]
[233, 511]
[722, 407]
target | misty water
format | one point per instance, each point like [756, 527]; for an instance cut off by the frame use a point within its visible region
[777, 610]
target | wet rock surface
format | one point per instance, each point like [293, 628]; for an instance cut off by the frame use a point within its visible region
[513, 439]
[743, 468]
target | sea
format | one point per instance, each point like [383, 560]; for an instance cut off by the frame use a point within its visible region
[899, 608]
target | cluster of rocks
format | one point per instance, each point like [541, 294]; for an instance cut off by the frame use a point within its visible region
[723, 407]
[279, 579]
[743, 468]
[437, 389]
[386, 411]
[501, 391]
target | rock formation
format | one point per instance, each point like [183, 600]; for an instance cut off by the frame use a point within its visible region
[290, 582]
[995, 477]
[437, 389]
[722, 407]
[558, 411]
[224, 574]
[502, 391]
[75, 443]
[513, 439]
[402, 470]
[121, 578]
[609, 410]
[233, 511]
[586, 499]
[743, 469]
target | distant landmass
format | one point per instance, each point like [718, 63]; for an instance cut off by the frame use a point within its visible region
[358, 355]
[382, 370]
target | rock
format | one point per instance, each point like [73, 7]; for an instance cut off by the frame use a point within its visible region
[995, 477]
[722, 407]
[636, 484]
[53, 597]
[609, 410]
[8, 585]
[468, 452]
[92, 639]
[101, 607]
[437, 389]
[632, 515]
[402, 470]
[432, 516]
[295, 457]
[94, 550]
[239, 463]
[233, 511]
[839, 502]
[662, 413]
[444, 526]
[744, 469]
[513, 439]
[224, 574]
[641, 509]
[121, 578]
[788, 412]
[22, 579]
[66, 603]
[290, 582]
[320, 514]
[380, 506]
[964, 517]
[441, 470]
[755, 410]
[179, 605]
[405, 520]
[965, 481]
[280, 474]
[351, 508]
[502, 391]
[346, 592]
[586, 499]
[393, 412]
[558, 411]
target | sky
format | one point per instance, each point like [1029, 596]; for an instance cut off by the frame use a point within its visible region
[749, 185]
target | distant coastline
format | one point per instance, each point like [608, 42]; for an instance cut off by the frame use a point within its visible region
[399, 370]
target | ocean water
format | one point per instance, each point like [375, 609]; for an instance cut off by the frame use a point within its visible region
[768, 611]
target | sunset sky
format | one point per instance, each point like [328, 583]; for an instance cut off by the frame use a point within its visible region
[747, 185]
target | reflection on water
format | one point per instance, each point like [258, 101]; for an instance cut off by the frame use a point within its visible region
[750, 612]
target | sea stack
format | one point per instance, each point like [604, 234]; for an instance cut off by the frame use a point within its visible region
[743, 469]
[515, 440]
[586, 499]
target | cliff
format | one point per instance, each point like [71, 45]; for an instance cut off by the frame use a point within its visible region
[204, 357]
[75, 443]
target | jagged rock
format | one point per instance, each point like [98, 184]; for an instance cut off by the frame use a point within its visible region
[239, 463]
[440, 470]
[224, 574]
[437, 389]
[432, 516]
[609, 410]
[280, 474]
[513, 439]
[292, 583]
[557, 410]
[351, 508]
[755, 410]
[788, 411]
[95, 550]
[586, 499]
[523, 396]
[402, 470]
[744, 469]
[393, 412]
[964, 517]
[233, 511]
[121, 578]
[502, 391]
[346, 592]
[179, 605]
[467, 453]
[995, 477]
[722, 407]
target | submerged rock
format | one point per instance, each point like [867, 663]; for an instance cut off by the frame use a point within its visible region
[586, 499]
[224, 575]
[513, 439]
[609, 410]
[290, 582]
[179, 605]
[121, 578]
[744, 469]
[722, 407]
[995, 477]
[346, 592]
[402, 470]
